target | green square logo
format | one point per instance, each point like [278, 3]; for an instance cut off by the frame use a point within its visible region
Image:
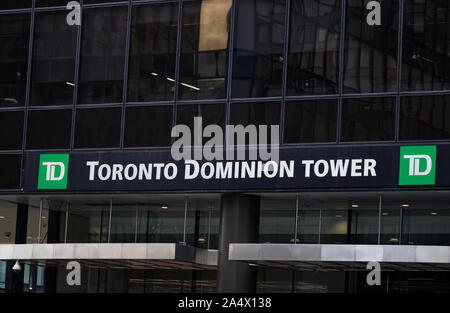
[417, 165]
[53, 170]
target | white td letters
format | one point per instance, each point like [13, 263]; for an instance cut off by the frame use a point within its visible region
[414, 162]
[51, 168]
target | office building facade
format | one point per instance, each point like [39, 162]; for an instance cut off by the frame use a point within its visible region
[86, 171]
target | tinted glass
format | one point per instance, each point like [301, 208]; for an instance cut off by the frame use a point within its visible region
[10, 171]
[426, 37]
[153, 52]
[15, 4]
[261, 113]
[426, 117]
[88, 222]
[53, 59]
[8, 213]
[11, 130]
[49, 129]
[203, 67]
[98, 128]
[49, 3]
[258, 48]
[14, 38]
[102, 55]
[313, 60]
[310, 121]
[210, 113]
[371, 50]
[148, 126]
[370, 119]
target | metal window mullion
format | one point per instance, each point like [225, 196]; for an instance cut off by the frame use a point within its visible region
[230, 64]
[125, 73]
[285, 63]
[177, 64]
[110, 221]
[41, 203]
[76, 78]
[341, 70]
[379, 217]
[296, 218]
[399, 70]
[67, 222]
[185, 219]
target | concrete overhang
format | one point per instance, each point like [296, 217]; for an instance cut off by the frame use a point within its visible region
[343, 257]
[134, 255]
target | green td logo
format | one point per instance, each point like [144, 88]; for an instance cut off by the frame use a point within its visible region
[417, 165]
[53, 171]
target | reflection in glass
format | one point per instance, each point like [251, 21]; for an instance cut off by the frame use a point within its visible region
[313, 59]
[204, 57]
[8, 216]
[123, 223]
[310, 121]
[152, 52]
[10, 171]
[88, 222]
[11, 130]
[14, 4]
[371, 50]
[44, 135]
[258, 48]
[54, 46]
[14, 38]
[334, 227]
[425, 60]
[425, 117]
[102, 55]
[370, 119]
[277, 219]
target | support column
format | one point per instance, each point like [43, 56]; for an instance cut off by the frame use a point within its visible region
[239, 223]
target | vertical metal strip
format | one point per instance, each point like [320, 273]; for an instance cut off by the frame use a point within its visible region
[177, 64]
[296, 218]
[379, 217]
[400, 235]
[230, 65]
[110, 221]
[320, 223]
[185, 219]
[66, 222]
[76, 78]
[41, 203]
[209, 227]
[341, 69]
[125, 74]
[136, 224]
[285, 63]
[399, 70]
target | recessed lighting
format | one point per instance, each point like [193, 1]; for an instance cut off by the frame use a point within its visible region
[44, 217]
[70, 84]
[2, 217]
[434, 213]
[339, 216]
[405, 205]
[355, 206]
[154, 74]
[164, 207]
[385, 214]
[393, 240]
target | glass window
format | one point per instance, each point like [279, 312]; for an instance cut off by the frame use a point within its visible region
[49, 129]
[14, 4]
[153, 52]
[211, 114]
[277, 219]
[50, 3]
[53, 63]
[313, 59]
[425, 118]
[148, 126]
[102, 55]
[261, 113]
[14, 39]
[88, 222]
[425, 60]
[258, 48]
[8, 215]
[11, 130]
[334, 226]
[98, 128]
[370, 119]
[371, 51]
[310, 121]
[124, 223]
[204, 57]
[10, 165]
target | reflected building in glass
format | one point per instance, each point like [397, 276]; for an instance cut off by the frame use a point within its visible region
[114, 87]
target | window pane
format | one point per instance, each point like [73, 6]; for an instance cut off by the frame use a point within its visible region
[10, 171]
[98, 128]
[426, 62]
[14, 4]
[258, 48]
[262, 113]
[123, 223]
[152, 52]
[49, 129]
[88, 222]
[310, 121]
[14, 39]
[102, 55]
[148, 126]
[277, 219]
[11, 130]
[371, 51]
[313, 60]
[370, 119]
[53, 59]
[8, 215]
[204, 57]
[423, 118]
[50, 3]
[210, 114]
